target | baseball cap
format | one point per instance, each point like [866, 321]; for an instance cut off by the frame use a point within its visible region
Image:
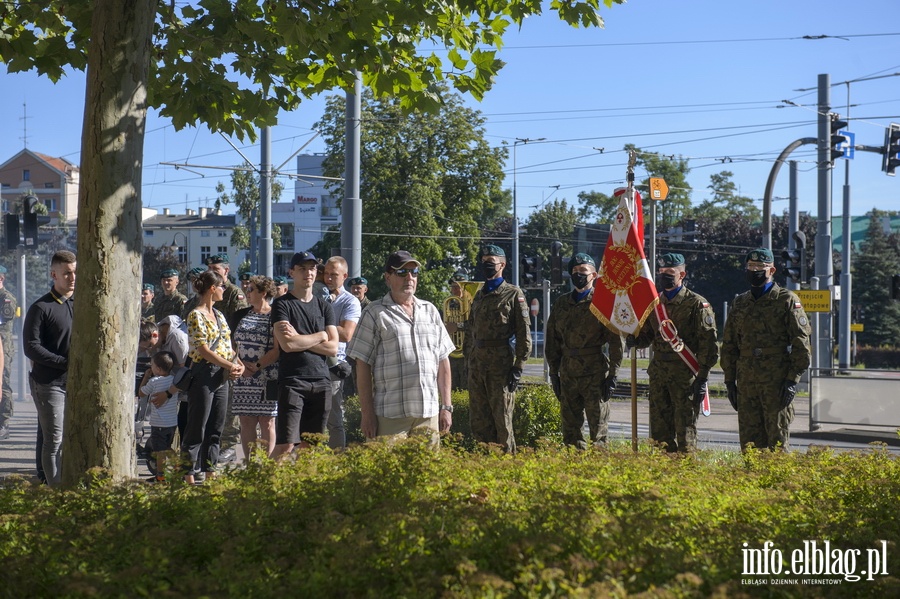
[398, 259]
[301, 257]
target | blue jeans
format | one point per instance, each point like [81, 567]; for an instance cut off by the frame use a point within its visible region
[50, 401]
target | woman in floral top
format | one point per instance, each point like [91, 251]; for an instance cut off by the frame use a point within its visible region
[213, 367]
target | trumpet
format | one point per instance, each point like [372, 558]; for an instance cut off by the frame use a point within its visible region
[456, 310]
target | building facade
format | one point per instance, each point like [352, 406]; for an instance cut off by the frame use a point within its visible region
[194, 236]
[54, 181]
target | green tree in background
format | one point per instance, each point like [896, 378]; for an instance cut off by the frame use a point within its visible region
[427, 180]
[674, 169]
[724, 201]
[245, 185]
[878, 260]
[555, 221]
[596, 207]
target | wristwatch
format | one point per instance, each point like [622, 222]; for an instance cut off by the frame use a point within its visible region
[168, 394]
[258, 367]
[448, 407]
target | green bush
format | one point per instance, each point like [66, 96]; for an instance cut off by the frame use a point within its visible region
[399, 520]
[535, 418]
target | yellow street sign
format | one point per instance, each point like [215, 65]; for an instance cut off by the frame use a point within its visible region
[857, 327]
[815, 300]
[659, 190]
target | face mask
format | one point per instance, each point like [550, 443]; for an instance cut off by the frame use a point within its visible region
[666, 280]
[580, 280]
[756, 278]
[489, 269]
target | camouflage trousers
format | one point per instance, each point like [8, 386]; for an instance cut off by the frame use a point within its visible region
[6, 399]
[458, 373]
[490, 404]
[673, 411]
[579, 397]
[761, 420]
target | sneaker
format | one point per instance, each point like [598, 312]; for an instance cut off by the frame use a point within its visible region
[4, 431]
[199, 477]
[226, 455]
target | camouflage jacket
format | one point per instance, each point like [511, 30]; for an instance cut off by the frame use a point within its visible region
[696, 324]
[148, 312]
[232, 301]
[167, 305]
[7, 312]
[495, 317]
[575, 340]
[770, 335]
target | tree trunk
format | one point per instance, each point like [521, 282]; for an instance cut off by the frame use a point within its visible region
[99, 416]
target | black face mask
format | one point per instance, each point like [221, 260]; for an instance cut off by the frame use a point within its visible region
[579, 280]
[756, 278]
[666, 280]
[489, 269]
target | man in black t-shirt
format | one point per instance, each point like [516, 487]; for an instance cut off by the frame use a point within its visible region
[306, 332]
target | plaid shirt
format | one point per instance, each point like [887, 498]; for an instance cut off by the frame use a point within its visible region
[404, 354]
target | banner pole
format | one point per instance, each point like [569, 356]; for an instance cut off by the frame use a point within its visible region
[634, 411]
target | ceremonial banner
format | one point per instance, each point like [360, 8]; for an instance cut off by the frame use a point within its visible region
[624, 292]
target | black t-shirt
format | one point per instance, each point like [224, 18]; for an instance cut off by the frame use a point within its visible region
[307, 318]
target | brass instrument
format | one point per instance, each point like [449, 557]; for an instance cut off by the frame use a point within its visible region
[456, 309]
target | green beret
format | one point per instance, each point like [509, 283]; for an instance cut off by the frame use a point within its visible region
[581, 258]
[246, 276]
[761, 255]
[2, 270]
[493, 250]
[459, 276]
[149, 287]
[279, 280]
[196, 272]
[358, 281]
[670, 259]
[217, 259]
[169, 272]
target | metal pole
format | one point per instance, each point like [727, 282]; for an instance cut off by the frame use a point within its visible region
[793, 216]
[254, 240]
[824, 268]
[546, 286]
[266, 247]
[515, 222]
[351, 209]
[846, 275]
[23, 306]
[651, 255]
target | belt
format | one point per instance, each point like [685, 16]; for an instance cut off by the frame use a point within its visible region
[583, 351]
[756, 352]
[491, 342]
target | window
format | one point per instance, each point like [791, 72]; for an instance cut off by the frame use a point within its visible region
[204, 233]
[287, 236]
[26, 175]
[50, 204]
[223, 249]
[5, 206]
[329, 206]
[204, 253]
[149, 232]
[48, 186]
[222, 233]
[182, 254]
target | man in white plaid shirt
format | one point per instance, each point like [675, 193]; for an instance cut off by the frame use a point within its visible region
[402, 354]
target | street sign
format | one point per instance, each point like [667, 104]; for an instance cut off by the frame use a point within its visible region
[535, 307]
[659, 190]
[857, 327]
[848, 146]
[815, 300]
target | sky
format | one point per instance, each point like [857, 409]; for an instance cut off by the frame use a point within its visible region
[703, 79]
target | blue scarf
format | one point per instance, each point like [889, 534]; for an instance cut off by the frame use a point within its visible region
[492, 285]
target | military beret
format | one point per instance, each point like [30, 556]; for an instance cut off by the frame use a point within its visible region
[149, 287]
[358, 281]
[669, 260]
[196, 272]
[459, 276]
[217, 259]
[493, 250]
[2, 270]
[580, 258]
[246, 276]
[279, 280]
[761, 255]
[169, 272]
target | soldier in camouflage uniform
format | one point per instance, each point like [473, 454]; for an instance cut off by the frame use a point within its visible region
[765, 350]
[7, 316]
[192, 301]
[498, 313]
[675, 393]
[232, 300]
[170, 303]
[582, 376]
[281, 286]
[147, 307]
[358, 288]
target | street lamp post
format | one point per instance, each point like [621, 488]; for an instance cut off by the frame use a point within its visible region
[515, 223]
[174, 247]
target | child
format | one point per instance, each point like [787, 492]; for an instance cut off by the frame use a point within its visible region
[163, 415]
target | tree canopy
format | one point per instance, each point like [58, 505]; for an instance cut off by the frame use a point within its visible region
[878, 260]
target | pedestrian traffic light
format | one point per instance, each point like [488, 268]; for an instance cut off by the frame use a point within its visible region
[556, 264]
[895, 287]
[11, 228]
[30, 221]
[837, 141]
[891, 158]
[795, 259]
[530, 271]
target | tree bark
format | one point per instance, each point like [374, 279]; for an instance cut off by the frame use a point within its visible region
[99, 414]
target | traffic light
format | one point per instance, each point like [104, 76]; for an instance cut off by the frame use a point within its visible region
[796, 258]
[556, 265]
[837, 141]
[530, 271]
[30, 221]
[891, 158]
[895, 287]
[11, 228]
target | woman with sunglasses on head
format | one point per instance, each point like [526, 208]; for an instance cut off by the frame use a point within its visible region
[213, 366]
[255, 398]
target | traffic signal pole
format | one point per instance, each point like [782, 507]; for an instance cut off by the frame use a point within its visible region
[845, 315]
[824, 268]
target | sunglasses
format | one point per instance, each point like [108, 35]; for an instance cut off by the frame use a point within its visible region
[402, 272]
